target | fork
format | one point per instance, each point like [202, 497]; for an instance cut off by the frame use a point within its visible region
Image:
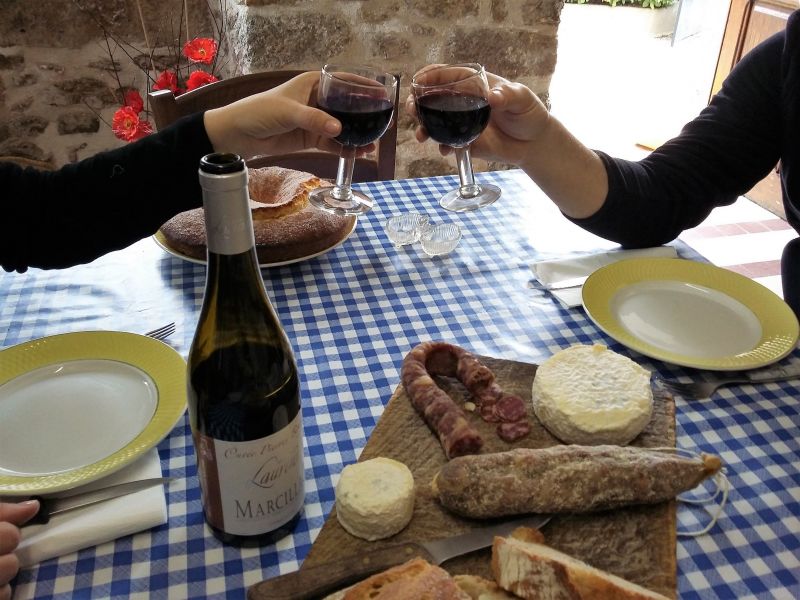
[697, 390]
[163, 332]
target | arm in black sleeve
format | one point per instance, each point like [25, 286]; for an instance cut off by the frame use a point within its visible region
[718, 156]
[103, 203]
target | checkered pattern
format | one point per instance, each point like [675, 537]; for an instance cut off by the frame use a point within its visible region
[352, 314]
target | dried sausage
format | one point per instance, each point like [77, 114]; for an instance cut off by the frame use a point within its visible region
[567, 478]
[442, 415]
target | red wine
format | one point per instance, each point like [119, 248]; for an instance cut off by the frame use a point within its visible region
[243, 389]
[364, 118]
[453, 119]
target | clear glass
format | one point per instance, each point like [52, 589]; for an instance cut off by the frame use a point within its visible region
[452, 103]
[437, 240]
[363, 101]
[405, 229]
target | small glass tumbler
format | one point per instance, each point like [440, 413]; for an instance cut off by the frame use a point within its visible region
[440, 239]
[405, 229]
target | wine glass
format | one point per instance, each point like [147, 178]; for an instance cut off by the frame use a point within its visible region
[362, 99]
[452, 104]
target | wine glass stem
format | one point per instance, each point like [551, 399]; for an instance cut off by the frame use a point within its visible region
[468, 189]
[344, 174]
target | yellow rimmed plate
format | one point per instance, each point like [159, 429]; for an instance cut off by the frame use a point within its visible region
[691, 314]
[78, 406]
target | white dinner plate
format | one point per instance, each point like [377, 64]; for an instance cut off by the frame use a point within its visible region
[159, 239]
[78, 406]
[691, 314]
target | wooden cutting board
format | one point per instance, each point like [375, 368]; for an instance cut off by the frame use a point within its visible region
[637, 543]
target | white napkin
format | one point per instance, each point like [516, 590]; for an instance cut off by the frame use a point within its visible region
[102, 522]
[564, 277]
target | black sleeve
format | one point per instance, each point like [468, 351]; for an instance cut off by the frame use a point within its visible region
[717, 157]
[103, 203]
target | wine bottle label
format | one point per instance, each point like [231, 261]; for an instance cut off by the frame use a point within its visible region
[252, 487]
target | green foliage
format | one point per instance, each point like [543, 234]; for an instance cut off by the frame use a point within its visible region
[642, 3]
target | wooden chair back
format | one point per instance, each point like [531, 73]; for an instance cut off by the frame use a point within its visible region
[166, 108]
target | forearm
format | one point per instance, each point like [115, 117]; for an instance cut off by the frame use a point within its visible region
[104, 203]
[571, 174]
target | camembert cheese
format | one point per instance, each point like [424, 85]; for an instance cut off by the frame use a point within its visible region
[591, 395]
[375, 498]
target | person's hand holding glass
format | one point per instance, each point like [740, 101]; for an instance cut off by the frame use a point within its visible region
[362, 99]
[452, 105]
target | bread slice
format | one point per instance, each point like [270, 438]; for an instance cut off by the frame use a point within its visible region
[537, 572]
[479, 588]
[415, 579]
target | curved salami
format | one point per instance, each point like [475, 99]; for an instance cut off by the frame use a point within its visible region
[441, 414]
[447, 420]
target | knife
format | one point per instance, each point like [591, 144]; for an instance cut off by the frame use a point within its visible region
[54, 506]
[328, 577]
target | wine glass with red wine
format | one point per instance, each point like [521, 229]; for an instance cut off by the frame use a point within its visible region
[362, 99]
[452, 104]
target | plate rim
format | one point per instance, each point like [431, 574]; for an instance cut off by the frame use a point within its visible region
[780, 329]
[161, 242]
[162, 363]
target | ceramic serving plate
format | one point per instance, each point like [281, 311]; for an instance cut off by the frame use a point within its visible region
[78, 406]
[691, 314]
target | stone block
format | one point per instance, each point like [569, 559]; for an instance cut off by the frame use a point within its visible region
[11, 61]
[92, 91]
[510, 52]
[27, 126]
[275, 41]
[390, 46]
[23, 149]
[445, 9]
[536, 12]
[78, 122]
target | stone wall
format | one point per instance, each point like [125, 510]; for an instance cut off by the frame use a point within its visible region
[58, 90]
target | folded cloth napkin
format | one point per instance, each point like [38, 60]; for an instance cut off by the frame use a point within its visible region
[564, 277]
[102, 522]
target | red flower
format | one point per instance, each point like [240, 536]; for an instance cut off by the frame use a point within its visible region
[134, 100]
[201, 50]
[127, 126]
[168, 80]
[199, 79]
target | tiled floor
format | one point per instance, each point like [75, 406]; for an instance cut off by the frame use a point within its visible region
[616, 88]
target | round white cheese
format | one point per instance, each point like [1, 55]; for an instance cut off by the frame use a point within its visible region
[375, 498]
[591, 395]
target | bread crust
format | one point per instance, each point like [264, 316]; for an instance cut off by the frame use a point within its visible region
[415, 579]
[537, 572]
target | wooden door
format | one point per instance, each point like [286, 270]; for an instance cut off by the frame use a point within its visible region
[749, 23]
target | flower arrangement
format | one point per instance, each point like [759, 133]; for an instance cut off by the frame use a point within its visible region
[186, 66]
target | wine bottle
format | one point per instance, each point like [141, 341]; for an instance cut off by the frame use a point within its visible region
[243, 386]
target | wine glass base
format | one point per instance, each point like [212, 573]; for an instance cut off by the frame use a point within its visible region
[454, 202]
[356, 204]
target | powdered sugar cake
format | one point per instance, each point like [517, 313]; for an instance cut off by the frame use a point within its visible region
[286, 226]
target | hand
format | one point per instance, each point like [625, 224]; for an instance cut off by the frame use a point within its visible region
[518, 119]
[11, 516]
[283, 119]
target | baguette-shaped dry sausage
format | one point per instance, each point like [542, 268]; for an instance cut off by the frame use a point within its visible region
[566, 478]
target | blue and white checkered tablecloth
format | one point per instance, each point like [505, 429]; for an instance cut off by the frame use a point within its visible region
[352, 314]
